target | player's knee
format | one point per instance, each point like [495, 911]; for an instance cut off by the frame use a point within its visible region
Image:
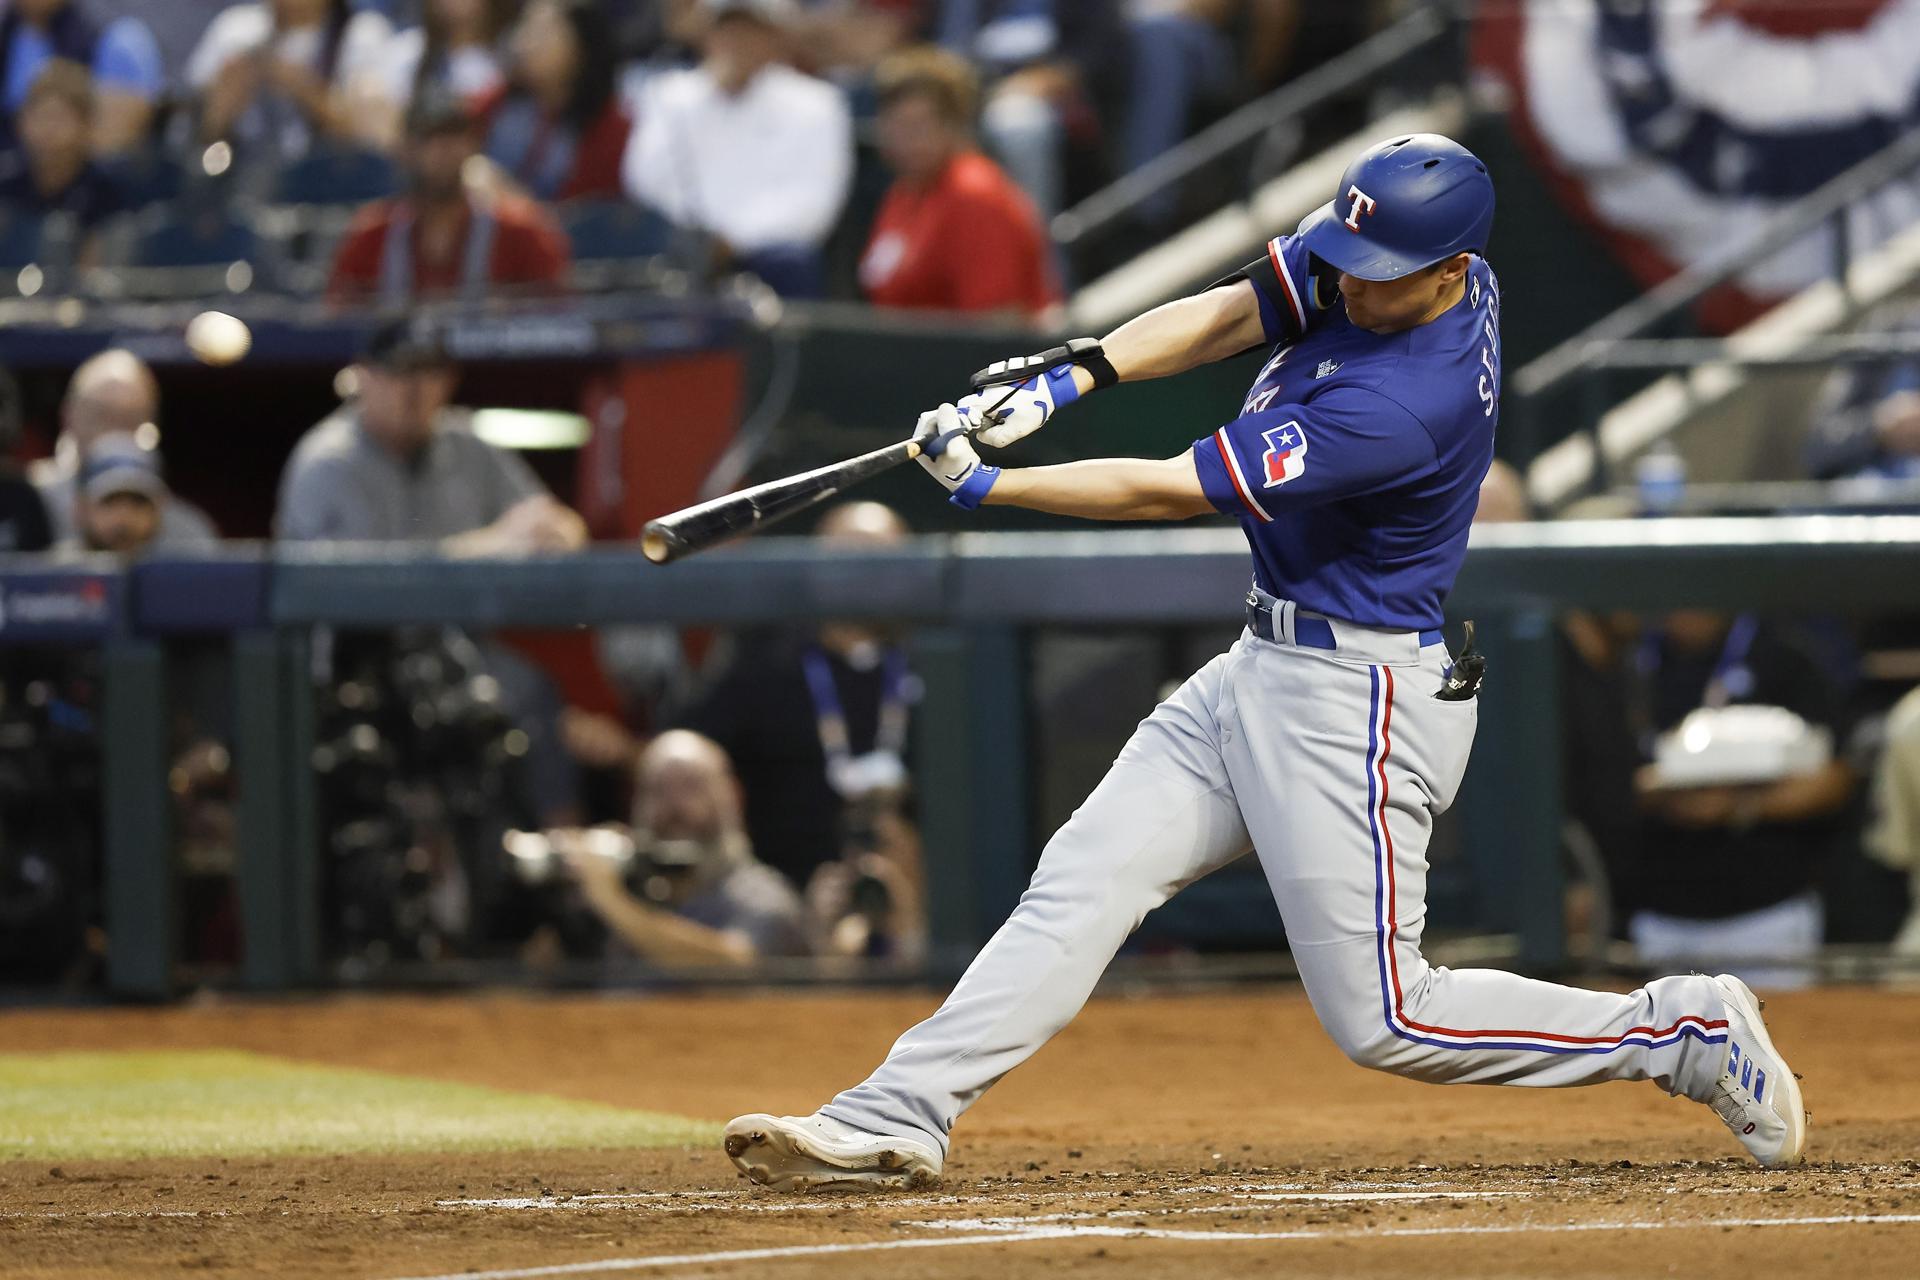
[1374, 1047]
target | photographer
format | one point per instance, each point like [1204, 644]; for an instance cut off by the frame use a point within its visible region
[693, 895]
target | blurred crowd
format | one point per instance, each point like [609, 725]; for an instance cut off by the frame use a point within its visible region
[909, 152]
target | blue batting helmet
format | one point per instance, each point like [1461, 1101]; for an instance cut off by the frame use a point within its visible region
[1403, 205]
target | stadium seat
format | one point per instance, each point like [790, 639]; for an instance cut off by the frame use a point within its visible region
[613, 230]
[336, 175]
[19, 238]
[201, 235]
[615, 244]
[189, 248]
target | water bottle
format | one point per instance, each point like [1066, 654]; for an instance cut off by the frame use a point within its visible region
[1660, 475]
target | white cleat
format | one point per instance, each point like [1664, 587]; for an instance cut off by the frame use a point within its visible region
[1758, 1095]
[802, 1153]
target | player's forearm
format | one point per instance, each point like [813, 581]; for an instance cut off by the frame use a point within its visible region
[1183, 334]
[1106, 489]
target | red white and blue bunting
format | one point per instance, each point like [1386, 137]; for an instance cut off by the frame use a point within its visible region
[1675, 127]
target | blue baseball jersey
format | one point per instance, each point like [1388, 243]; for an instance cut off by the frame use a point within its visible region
[1355, 465]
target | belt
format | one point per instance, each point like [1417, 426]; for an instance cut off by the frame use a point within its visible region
[1308, 630]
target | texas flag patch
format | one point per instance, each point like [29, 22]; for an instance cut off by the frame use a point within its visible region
[1286, 455]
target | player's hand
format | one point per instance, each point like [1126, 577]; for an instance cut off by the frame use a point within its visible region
[1028, 407]
[948, 456]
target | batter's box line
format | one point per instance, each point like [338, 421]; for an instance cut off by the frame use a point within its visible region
[1239, 1204]
[758, 1202]
[669, 1261]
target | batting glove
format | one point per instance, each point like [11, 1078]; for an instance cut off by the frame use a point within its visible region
[948, 456]
[1033, 402]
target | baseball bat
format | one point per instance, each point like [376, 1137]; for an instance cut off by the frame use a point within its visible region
[698, 527]
[695, 528]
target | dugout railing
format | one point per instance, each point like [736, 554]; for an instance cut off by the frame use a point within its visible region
[973, 600]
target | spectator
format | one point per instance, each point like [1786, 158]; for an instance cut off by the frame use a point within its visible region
[275, 77]
[398, 465]
[120, 500]
[122, 56]
[1047, 63]
[1180, 57]
[454, 48]
[448, 234]
[1728, 871]
[705, 901]
[1867, 419]
[1893, 836]
[747, 151]
[176, 25]
[816, 723]
[559, 130]
[111, 393]
[53, 171]
[954, 233]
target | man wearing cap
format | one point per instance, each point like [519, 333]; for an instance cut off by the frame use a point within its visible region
[113, 393]
[745, 149]
[397, 464]
[446, 236]
[120, 499]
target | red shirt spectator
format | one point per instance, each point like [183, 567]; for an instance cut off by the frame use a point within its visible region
[444, 236]
[969, 241]
[954, 232]
[528, 248]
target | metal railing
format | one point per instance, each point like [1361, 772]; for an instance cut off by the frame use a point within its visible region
[1413, 34]
[1614, 342]
[974, 597]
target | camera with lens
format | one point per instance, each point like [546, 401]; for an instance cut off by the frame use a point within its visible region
[416, 760]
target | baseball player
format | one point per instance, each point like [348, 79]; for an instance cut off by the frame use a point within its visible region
[1328, 737]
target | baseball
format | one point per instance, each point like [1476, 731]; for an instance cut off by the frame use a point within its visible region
[217, 338]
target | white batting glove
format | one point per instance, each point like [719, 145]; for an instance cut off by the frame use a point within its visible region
[1031, 404]
[948, 456]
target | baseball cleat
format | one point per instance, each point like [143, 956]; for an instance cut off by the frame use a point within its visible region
[803, 1153]
[1757, 1094]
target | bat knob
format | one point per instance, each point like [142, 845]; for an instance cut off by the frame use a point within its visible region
[656, 544]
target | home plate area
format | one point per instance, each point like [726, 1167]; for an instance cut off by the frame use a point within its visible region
[1495, 1220]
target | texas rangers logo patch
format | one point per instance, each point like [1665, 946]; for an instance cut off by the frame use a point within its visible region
[1286, 455]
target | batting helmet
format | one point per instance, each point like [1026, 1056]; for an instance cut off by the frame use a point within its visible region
[1403, 205]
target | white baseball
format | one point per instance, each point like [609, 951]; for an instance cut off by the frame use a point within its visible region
[217, 338]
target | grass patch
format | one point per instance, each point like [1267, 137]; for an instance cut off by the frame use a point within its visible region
[77, 1106]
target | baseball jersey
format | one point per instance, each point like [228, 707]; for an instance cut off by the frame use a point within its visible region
[1355, 465]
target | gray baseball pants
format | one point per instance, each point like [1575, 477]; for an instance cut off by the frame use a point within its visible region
[1331, 765]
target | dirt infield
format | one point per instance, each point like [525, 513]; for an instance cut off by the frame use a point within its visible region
[1184, 1136]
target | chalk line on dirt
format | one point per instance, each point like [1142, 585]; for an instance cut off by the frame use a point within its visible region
[1088, 1231]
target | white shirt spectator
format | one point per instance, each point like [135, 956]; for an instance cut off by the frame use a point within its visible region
[247, 28]
[471, 72]
[764, 169]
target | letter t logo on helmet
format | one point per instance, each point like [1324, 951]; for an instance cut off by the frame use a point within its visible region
[1362, 203]
[1402, 205]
